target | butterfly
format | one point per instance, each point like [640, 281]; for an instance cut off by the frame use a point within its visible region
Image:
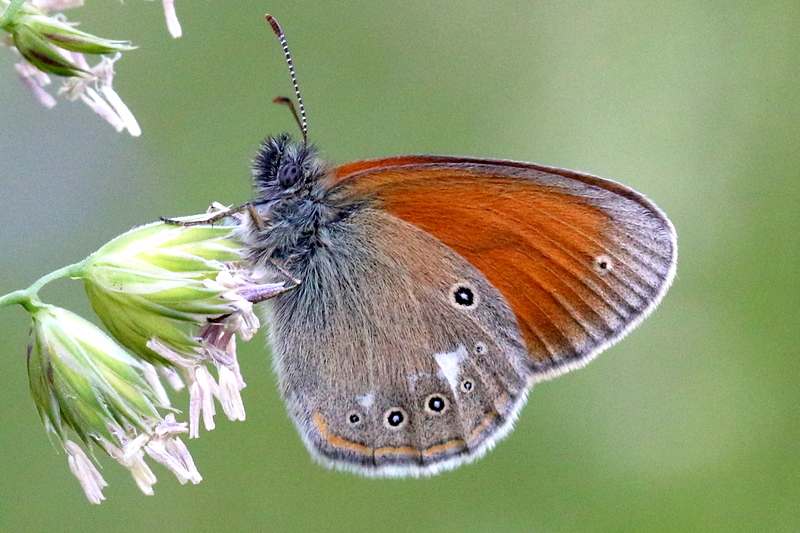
[431, 293]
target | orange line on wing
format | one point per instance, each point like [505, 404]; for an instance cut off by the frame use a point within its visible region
[439, 448]
[342, 443]
[390, 450]
[338, 442]
[483, 425]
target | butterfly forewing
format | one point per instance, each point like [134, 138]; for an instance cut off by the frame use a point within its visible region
[580, 260]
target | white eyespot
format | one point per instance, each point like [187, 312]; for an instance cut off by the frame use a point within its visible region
[463, 295]
[366, 400]
[450, 364]
[395, 418]
[603, 264]
[480, 348]
[466, 386]
[436, 404]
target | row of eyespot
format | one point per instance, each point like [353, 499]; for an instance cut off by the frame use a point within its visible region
[396, 416]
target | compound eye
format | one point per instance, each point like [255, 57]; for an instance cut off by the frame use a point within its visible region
[289, 174]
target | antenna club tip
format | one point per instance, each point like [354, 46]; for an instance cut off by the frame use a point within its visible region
[274, 23]
[301, 119]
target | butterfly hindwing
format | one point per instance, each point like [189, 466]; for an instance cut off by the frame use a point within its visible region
[395, 355]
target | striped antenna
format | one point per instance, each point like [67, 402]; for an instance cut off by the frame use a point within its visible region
[302, 122]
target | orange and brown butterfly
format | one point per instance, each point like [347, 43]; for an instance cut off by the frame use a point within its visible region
[432, 292]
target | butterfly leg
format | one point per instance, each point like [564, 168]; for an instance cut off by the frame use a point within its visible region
[256, 217]
[267, 291]
[259, 293]
[286, 273]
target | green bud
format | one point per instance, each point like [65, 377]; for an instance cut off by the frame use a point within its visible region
[82, 380]
[36, 36]
[67, 37]
[42, 54]
[152, 282]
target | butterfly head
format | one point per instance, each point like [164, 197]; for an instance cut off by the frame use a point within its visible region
[285, 168]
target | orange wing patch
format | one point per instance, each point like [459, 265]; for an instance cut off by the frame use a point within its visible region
[534, 232]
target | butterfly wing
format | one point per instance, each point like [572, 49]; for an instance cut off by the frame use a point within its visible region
[581, 260]
[395, 355]
[449, 288]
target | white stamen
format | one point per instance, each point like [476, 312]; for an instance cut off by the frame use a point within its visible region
[201, 400]
[173, 377]
[133, 459]
[151, 375]
[56, 5]
[35, 80]
[173, 25]
[96, 103]
[173, 454]
[170, 451]
[88, 476]
[124, 114]
[177, 359]
[229, 395]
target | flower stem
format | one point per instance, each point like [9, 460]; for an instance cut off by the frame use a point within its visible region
[10, 11]
[29, 298]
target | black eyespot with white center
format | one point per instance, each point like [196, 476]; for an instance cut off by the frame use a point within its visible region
[466, 386]
[480, 348]
[436, 404]
[395, 418]
[354, 418]
[288, 174]
[463, 296]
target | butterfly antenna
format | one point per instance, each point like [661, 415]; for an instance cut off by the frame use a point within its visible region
[301, 120]
[288, 103]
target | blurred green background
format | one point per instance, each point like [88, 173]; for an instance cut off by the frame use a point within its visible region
[692, 423]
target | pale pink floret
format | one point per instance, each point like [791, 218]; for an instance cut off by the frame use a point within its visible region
[173, 25]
